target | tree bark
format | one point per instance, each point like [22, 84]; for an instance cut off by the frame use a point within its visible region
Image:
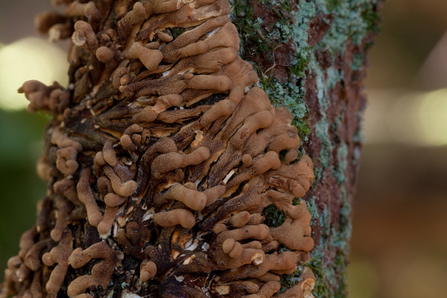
[172, 174]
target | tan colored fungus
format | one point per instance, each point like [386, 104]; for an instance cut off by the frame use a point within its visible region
[122, 188]
[67, 188]
[175, 160]
[63, 212]
[149, 58]
[17, 271]
[191, 198]
[59, 255]
[32, 258]
[303, 289]
[148, 270]
[43, 169]
[109, 154]
[86, 196]
[58, 138]
[44, 21]
[84, 36]
[27, 241]
[105, 225]
[170, 161]
[60, 32]
[35, 288]
[175, 217]
[66, 160]
[50, 99]
[295, 233]
[88, 10]
[100, 273]
[266, 291]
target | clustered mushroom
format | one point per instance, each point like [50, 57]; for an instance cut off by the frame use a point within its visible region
[162, 153]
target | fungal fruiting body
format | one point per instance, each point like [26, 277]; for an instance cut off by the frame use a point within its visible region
[161, 158]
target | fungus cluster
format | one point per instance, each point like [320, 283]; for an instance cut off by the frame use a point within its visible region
[162, 157]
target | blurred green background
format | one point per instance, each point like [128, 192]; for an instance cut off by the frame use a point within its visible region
[399, 243]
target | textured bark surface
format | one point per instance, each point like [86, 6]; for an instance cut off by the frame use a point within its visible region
[310, 57]
[313, 58]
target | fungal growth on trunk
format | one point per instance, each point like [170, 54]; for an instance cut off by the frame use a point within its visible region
[160, 159]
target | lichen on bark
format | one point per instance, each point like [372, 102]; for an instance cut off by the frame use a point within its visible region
[311, 57]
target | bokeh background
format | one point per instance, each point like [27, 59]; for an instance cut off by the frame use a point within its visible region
[399, 243]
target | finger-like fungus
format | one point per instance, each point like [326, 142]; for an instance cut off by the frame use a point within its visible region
[51, 99]
[123, 188]
[304, 288]
[66, 160]
[84, 9]
[100, 272]
[148, 270]
[191, 198]
[170, 169]
[86, 196]
[295, 233]
[149, 58]
[60, 255]
[84, 36]
[266, 291]
[171, 161]
[175, 217]
[46, 20]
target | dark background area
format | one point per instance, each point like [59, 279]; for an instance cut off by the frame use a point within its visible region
[399, 242]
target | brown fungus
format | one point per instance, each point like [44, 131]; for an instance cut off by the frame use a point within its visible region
[61, 140]
[191, 198]
[149, 58]
[86, 196]
[132, 18]
[62, 215]
[283, 262]
[175, 217]
[66, 160]
[17, 271]
[101, 272]
[51, 99]
[27, 241]
[174, 160]
[109, 154]
[60, 32]
[148, 270]
[149, 114]
[60, 255]
[33, 257]
[294, 233]
[84, 36]
[267, 290]
[180, 155]
[134, 137]
[303, 289]
[46, 20]
[88, 10]
[67, 188]
[123, 188]
[105, 225]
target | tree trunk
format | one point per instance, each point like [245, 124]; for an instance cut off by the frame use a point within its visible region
[172, 174]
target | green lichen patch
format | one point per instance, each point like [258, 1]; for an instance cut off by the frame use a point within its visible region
[339, 169]
[177, 31]
[290, 96]
[264, 26]
[321, 289]
[289, 280]
[273, 216]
